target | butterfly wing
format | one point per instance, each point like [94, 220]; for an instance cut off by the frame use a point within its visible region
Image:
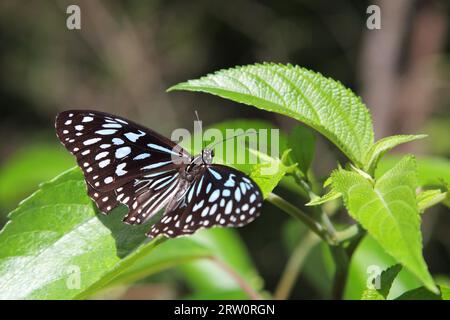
[220, 196]
[118, 156]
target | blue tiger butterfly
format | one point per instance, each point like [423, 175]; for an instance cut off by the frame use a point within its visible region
[126, 163]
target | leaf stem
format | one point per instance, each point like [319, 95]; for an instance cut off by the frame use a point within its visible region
[252, 294]
[298, 214]
[294, 265]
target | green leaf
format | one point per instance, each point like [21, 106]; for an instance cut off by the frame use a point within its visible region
[419, 294]
[429, 198]
[302, 142]
[423, 293]
[385, 279]
[268, 173]
[445, 292]
[388, 211]
[57, 232]
[322, 103]
[19, 175]
[206, 275]
[432, 171]
[192, 254]
[368, 258]
[331, 195]
[166, 255]
[58, 246]
[384, 145]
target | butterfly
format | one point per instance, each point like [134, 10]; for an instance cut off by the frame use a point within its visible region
[126, 163]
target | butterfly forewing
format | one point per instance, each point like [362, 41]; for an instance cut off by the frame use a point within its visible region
[115, 153]
[126, 163]
[220, 196]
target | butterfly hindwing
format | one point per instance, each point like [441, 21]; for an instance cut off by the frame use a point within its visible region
[150, 195]
[221, 196]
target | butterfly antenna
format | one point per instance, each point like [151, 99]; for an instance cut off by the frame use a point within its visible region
[229, 138]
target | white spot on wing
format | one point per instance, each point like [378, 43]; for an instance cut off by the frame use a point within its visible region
[104, 163]
[122, 152]
[215, 174]
[87, 119]
[112, 125]
[156, 165]
[108, 180]
[106, 131]
[117, 141]
[142, 156]
[229, 207]
[214, 196]
[101, 155]
[91, 141]
[119, 169]
[134, 136]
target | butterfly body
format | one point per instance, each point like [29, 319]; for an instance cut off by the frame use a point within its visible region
[125, 163]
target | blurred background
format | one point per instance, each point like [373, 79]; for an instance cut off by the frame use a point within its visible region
[128, 53]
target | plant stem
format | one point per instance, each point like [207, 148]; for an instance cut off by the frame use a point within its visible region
[252, 294]
[348, 233]
[294, 265]
[298, 214]
[341, 262]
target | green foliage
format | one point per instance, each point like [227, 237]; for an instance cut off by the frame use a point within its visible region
[382, 146]
[384, 283]
[268, 173]
[57, 232]
[322, 103]
[388, 211]
[195, 257]
[368, 255]
[331, 195]
[302, 143]
[429, 198]
[431, 171]
[423, 293]
[55, 235]
[19, 176]
[207, 276]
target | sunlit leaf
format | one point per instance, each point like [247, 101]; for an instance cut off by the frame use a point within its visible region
[24, 170]
[388, 211]
[320, 102]
[384, 145]
[429, 198]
